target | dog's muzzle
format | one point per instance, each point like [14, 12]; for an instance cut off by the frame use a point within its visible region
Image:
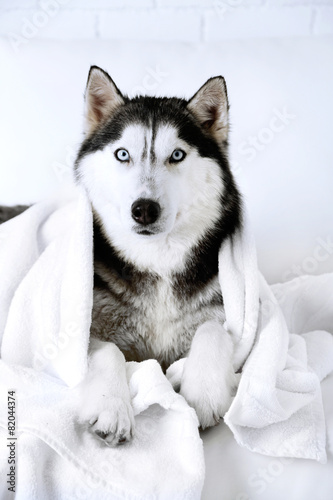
[145, 211]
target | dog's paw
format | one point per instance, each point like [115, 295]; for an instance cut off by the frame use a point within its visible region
[110, 420]
[114, 424]
[208, 381]
[210, 399]
[103, 397]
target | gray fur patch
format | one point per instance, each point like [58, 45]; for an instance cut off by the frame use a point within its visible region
[146, 319]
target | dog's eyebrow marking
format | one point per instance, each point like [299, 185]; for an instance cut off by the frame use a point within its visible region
[153, 137]
[145, 147]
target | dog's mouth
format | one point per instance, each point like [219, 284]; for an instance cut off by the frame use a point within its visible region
[145, 232]
[150, 231]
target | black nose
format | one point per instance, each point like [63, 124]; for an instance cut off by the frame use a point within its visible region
[145, 211]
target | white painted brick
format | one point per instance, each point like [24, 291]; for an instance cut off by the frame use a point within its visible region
[139, 4]
[163, 25]
[324, 21]
[257, 22]
[11, 21]
[36, 23]
[71, 25]
[205, 3]
[282, 3]
[109, 4]
[97, 4]
[184, 3]
[17, 4]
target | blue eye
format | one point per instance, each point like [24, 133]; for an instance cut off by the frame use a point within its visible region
[122, 155]
[177, 155]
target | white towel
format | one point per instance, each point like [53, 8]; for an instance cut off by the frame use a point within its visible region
[278, 409]
[45, 311]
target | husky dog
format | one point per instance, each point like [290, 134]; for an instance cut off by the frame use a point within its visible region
[164, 199]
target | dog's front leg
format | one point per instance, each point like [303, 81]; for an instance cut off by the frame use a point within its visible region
[208, 379]
[104, 397]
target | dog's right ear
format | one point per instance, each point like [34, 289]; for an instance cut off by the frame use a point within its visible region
[210, 107]
[102, 98]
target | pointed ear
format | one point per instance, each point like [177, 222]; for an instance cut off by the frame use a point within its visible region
[210, 107]
[102, 98]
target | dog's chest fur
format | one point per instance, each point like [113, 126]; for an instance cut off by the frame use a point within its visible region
[145, 315]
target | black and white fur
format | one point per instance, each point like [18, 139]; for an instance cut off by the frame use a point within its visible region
[156, 289]
[161, 211]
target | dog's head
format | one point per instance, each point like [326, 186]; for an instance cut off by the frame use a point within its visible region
[156, 167]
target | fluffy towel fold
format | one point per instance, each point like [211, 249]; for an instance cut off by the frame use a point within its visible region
[45, 311]
[278, 409]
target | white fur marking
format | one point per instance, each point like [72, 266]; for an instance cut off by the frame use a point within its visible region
[208, 378]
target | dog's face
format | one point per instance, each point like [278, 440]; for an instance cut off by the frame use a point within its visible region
[154, 167]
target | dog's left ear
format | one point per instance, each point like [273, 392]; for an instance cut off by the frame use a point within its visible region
[210, 107]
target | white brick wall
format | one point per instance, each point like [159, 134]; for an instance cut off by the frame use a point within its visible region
[324, 24]
[254, 22]
[164, 20]
[157, 25]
